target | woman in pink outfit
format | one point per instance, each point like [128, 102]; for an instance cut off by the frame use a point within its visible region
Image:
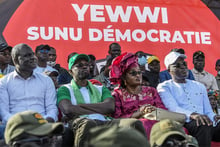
[131, 98]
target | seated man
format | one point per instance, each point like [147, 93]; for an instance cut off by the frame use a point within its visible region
[103, 77]
[153, 73]
[213, 98]
[24, 89]
[200, 74]
[189, 97]
[5, 59]
[165, 75]
[63, 75]
[90, 102]
[41, 53]
[29, 128]
[168, 133]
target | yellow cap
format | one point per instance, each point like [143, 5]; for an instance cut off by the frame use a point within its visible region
[152, 58]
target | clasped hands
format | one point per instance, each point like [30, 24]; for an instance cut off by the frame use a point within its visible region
[144, 109]
[147, 108]
[203, 119]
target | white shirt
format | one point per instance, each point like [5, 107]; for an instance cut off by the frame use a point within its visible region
[185, 98]
[36, 93]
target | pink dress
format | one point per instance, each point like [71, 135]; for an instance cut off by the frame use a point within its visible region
[126, 104]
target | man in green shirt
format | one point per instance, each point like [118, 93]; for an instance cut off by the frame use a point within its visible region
[87, 105]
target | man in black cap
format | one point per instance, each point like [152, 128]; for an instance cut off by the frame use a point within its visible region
[5, 59]
[200, 74]
[217, 68]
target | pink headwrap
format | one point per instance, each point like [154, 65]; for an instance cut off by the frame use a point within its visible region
[120, 64]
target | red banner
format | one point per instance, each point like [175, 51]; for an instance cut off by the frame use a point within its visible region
[88, 26]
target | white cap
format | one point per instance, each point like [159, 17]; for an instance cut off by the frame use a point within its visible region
[172, 57]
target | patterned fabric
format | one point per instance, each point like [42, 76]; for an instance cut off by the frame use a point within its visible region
[120, 64]
[126, 104]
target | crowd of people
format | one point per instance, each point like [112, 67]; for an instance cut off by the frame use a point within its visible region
[44, 104]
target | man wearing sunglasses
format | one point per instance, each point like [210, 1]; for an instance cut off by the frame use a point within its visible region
[165, 75]
[87, 105]
[41, 53]
[189, 97]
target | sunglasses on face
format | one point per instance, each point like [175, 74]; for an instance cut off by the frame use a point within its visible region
[179, 65]
[81, 65]
[44, 51]
[134, 73]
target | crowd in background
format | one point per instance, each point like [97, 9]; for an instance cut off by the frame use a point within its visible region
[43, 104]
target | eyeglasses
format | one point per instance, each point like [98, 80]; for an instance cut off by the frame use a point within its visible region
[81, 65]
[43, 51]
[134, 73]
[178, 65]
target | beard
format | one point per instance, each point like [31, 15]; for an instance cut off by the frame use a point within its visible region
[82, 75]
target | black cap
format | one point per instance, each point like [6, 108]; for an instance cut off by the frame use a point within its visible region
[4, 46]
[217, 62]
[197, 54]
[42, 46]
[179, 50]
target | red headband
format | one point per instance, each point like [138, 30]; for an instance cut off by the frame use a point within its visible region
[120, 64]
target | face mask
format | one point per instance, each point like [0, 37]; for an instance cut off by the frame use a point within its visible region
[142, 61]
[51, 63]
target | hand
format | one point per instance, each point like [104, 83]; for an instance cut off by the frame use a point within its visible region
[201, 119]
[65, 119]
[147, 109]
[50, 119]
[217, 118]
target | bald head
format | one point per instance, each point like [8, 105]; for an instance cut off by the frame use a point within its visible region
[17, 49]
